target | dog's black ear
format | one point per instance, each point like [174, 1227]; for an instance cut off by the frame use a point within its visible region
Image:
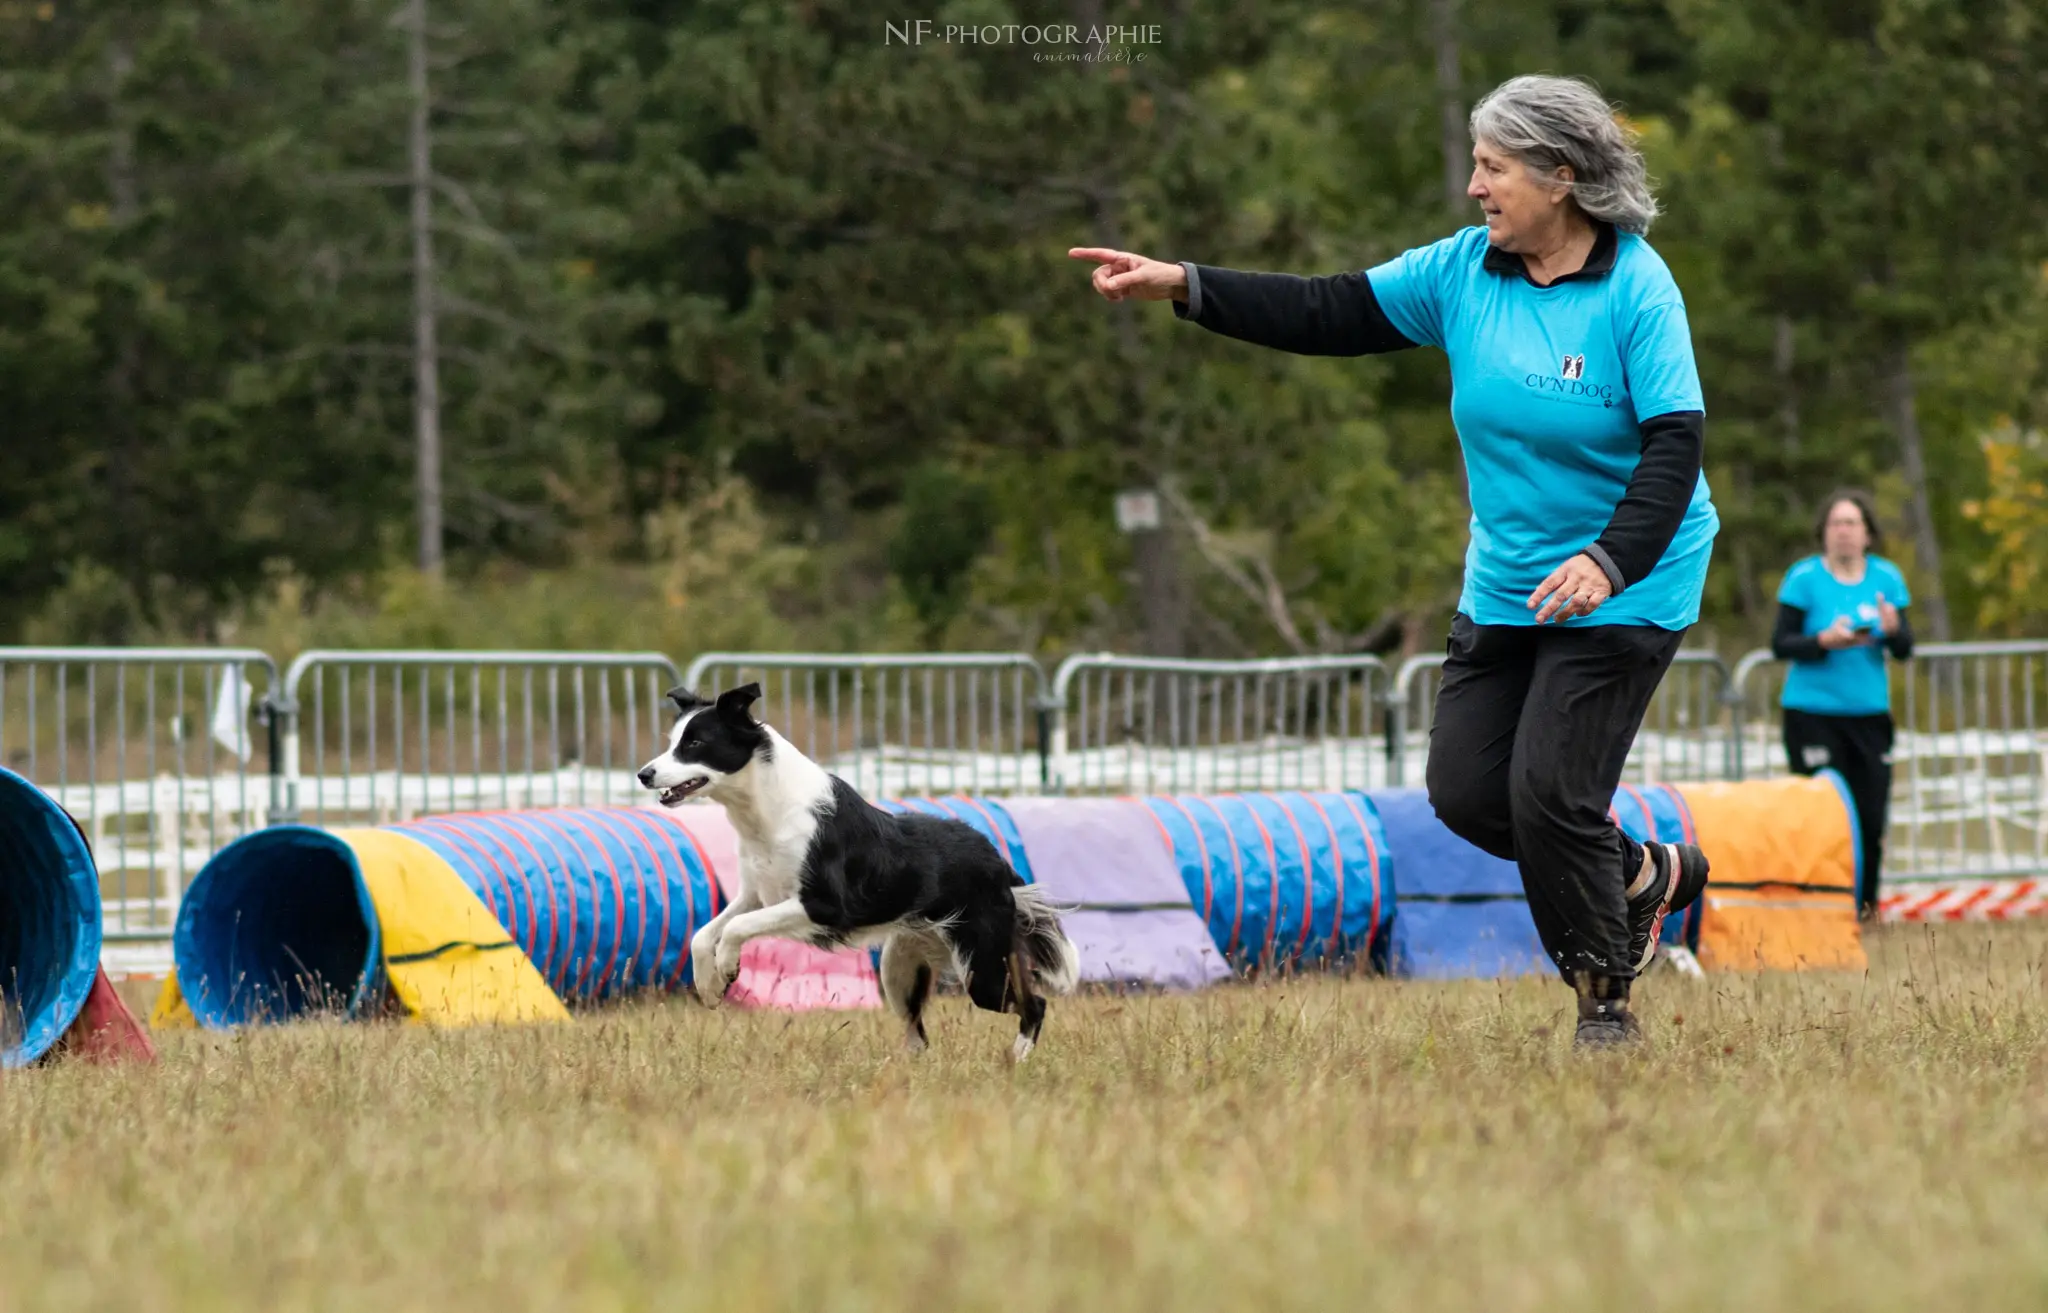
[684, 699]
[735, 701]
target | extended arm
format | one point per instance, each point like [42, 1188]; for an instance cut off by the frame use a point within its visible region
[1330, 315]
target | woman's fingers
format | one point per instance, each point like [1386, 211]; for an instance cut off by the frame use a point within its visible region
[1126, 275]
[1577, 587]
[1118, 274]
[1557, 588]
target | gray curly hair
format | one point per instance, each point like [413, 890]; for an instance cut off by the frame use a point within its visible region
[1546, 122]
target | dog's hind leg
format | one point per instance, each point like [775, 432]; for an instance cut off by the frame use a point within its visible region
[907, 984]
[1030, 1007]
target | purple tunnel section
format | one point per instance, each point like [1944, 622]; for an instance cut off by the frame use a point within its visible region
[1282, 879]
[1101, 864]
[1120, 896]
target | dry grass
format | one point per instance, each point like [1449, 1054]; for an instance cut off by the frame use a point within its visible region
[1809, 1142]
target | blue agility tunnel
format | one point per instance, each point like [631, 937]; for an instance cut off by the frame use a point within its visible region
[1462, 911]
[277, 925]
[600, 901]
[49, 921]
[985, 814]
[1282, 879]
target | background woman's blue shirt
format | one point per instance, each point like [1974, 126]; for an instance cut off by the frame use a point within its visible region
[1849, 681]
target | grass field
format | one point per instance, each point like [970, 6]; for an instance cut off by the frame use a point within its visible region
[1792, 1142]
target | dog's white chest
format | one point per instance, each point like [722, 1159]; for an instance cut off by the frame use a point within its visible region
[772, 855]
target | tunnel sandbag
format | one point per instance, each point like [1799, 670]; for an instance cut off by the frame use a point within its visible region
[1460, 911]
[1281, 879]
[780, 974]
[1656, 813]
[1119, 892]
[49, 921]
[1786, 858]
[105, 1031]
[447, 958]
[277, 925]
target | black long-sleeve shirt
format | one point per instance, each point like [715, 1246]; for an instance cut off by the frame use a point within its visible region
[1339, 315]
[1791, 642]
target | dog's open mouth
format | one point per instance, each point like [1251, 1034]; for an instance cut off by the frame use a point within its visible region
[675, 793]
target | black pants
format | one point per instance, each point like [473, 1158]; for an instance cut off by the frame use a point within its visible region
[1860, 748]
[1532, 730]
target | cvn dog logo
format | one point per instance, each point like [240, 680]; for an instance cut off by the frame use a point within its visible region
[1570, 382]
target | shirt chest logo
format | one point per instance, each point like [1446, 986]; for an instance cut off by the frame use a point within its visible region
[1569, 383]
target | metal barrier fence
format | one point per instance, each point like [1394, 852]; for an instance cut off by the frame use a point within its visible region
[1688, 733]
[155, 751]
[163, 754]
[1149, 724]
[1970, 758]
[895, 724]
[373, 737]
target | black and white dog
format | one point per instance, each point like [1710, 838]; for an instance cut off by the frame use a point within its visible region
[820, 865]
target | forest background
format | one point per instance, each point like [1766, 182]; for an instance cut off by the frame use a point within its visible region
[750, 325]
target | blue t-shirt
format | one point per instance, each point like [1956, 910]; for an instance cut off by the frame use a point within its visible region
[1849, 681]
[1548, 385]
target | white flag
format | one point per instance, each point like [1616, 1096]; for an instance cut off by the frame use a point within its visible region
[231, 712]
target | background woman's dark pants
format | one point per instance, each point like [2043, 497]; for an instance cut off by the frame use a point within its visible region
[1860, 748]
[1532, 730]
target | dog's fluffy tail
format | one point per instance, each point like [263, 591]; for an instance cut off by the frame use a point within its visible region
[1054, 962]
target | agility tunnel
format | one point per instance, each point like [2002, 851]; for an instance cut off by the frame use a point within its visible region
[503, 916]
[1100, 862]
[53, 995]
[1121, 892]
[1461, 911]
[1787, 858]
[1282, 880]
[49, 921]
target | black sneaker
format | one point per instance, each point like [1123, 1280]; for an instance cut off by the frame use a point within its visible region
[1678, 875]
[1606, 1024]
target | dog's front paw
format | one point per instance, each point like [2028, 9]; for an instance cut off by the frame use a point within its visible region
[725, 968]
[712, 979]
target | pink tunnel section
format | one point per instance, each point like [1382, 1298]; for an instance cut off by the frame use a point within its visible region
[778, 973]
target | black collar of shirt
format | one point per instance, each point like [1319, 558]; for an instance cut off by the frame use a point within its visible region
[1599, 261]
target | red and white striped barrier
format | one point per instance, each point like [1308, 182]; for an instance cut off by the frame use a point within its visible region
[1966, 900]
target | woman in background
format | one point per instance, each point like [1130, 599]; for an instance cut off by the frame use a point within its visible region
[1838, 614]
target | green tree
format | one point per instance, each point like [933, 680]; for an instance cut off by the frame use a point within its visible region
[1886, 150]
